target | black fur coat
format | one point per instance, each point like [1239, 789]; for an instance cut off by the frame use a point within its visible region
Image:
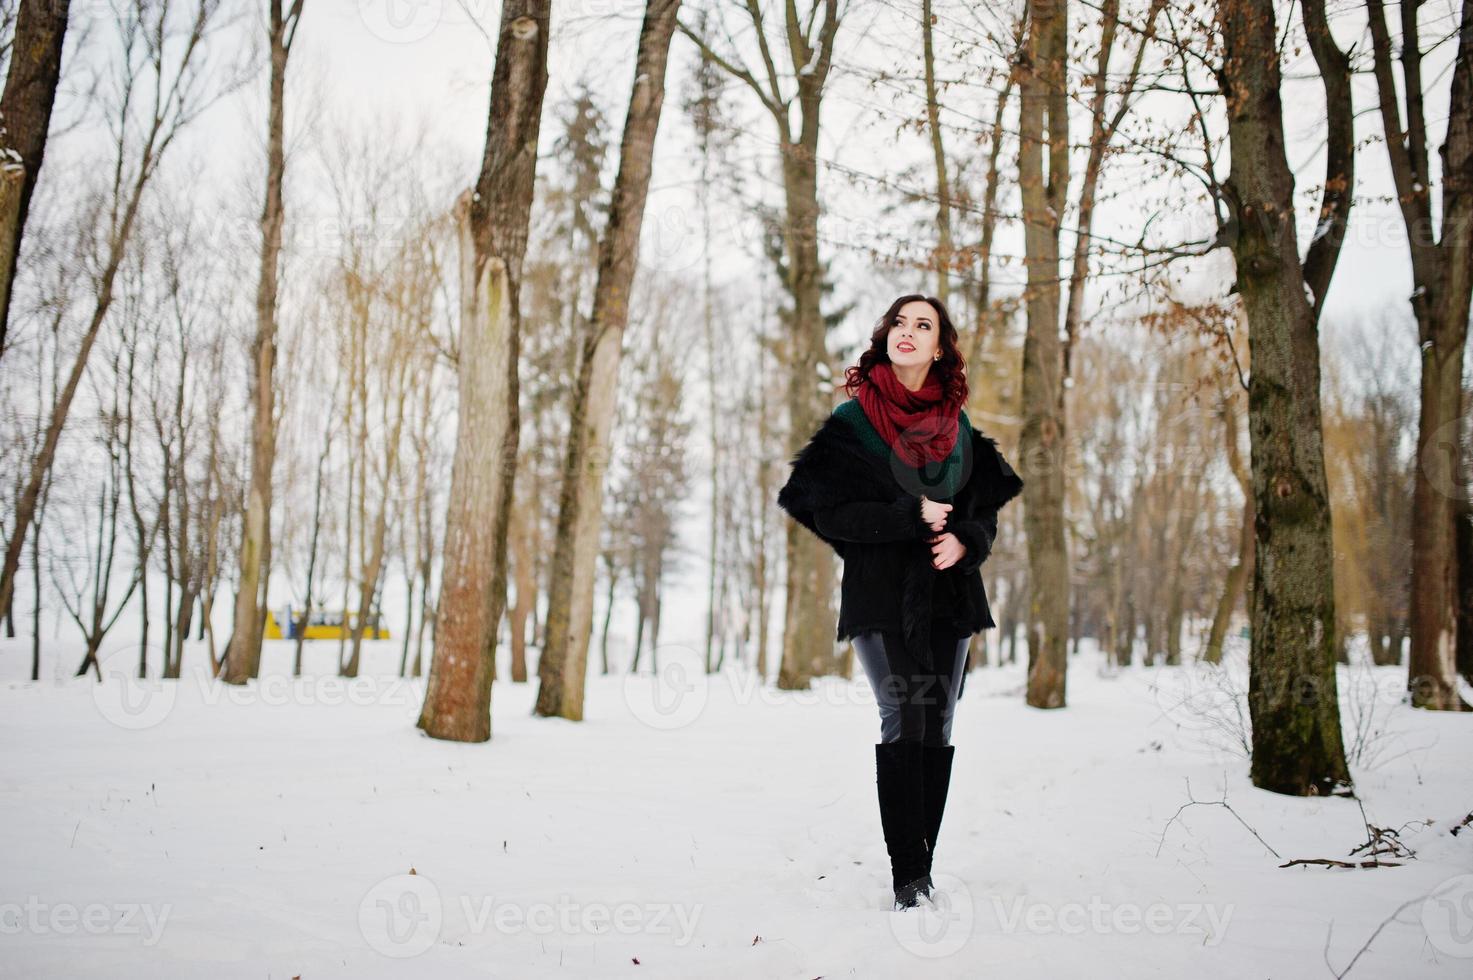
[848, 488]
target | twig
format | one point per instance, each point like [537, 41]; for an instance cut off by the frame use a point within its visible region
[1222, 803]
[1384, 923]
[1379, 841]
[1333, 863]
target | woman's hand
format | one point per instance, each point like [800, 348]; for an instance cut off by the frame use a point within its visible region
[933, 513]
[946, 550]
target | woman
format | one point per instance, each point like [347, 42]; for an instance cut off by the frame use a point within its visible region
[902, 487]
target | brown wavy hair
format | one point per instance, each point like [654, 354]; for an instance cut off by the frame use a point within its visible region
[950, 370]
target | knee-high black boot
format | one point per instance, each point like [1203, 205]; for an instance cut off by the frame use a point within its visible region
[899, 777]
[937, 768]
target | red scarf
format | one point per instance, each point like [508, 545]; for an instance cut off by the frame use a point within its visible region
[919, 426]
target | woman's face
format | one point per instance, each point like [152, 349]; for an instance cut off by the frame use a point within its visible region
[915, 336]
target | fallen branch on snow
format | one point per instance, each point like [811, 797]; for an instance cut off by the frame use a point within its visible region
[1222, 803]
[1333, 863]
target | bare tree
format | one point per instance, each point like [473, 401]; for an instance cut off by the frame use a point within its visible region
[1237, 576]
[1371, 408]
[808, 643]
[653, 476]
[185, 429]
[401, 365]
[944, 246]
[982, 297]
[89, 596]
[708, 114]
[492, 230]
[1044, 125]
[165, 77]
[213, 515]
[426, 468]
[243, 655]
[149, 516]
[563, 665]
[1297, 745]
[308, 593]
[561, 273]
[1442, 275]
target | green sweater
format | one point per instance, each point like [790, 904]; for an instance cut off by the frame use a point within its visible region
[944, 477]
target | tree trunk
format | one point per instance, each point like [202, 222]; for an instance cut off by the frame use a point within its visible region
[1297, 747]
[563, 665]
[373, 568]
[1125, 646]
[524, 561]
[760, 574]
[1232, 587]
[1463, 542]
[36, 591]
[705, 125]
[211, 536]
[25, 108]
[306, 617]
[1442, 271]
[808, 646]
[458, 695]
[603, 644]
[1432, 667]
[1188, 510]
[1044, 123]
[1464, 565]
[808, 635]
[243, 655]
[493, 241]
[638, 633]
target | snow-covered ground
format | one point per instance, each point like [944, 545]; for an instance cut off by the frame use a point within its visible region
[701, 827]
